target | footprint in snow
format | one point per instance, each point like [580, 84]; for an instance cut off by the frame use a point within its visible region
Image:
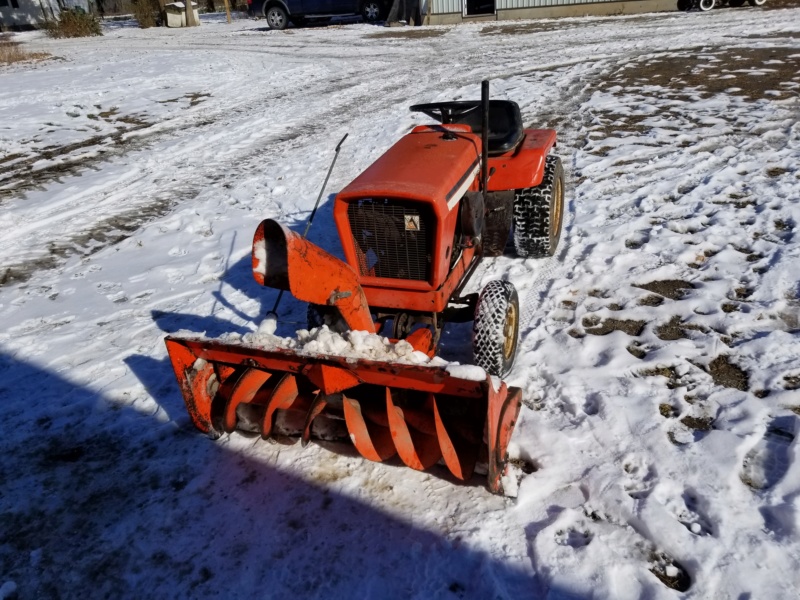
[686, 509]
[767, 462]
[593, 404]
[574, 538]
[641, 478]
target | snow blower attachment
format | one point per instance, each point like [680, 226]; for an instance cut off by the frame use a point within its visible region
[413, 227]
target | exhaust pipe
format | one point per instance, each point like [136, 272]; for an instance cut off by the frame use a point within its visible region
[485, 135]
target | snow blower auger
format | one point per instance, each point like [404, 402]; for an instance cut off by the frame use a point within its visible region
[413, 227]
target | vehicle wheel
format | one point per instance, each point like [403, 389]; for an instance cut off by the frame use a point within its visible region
[684, 5]
[318, 315]
[757, 2]
[706, 5]
[495, 330]
[539, 213]
[276, 17]
[372, 11]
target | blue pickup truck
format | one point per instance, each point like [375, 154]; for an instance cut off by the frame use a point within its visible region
[279, 13]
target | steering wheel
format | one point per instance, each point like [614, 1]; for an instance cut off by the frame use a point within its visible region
[447, 112]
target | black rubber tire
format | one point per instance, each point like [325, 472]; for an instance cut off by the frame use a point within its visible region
[706, 5]
[318, 315]
[372, 11]
[539, 213]
[757, 2]
[276, 17]
[495, 331]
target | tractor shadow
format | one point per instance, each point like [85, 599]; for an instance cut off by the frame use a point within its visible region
[135, 503]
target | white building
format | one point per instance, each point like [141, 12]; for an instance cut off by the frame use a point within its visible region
[458, 11]
[26, 14]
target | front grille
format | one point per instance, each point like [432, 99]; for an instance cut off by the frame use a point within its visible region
[393, 238]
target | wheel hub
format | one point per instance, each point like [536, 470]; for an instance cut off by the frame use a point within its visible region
[509, 339]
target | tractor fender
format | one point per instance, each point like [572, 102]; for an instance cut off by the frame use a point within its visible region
[524, 167]
[284, 260]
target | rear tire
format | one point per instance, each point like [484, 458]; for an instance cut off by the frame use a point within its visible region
[539, 213]
[276, 18]
[706, 5]
[495, 331]
[757, 2]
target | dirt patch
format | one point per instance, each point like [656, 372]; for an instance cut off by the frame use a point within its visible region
[674, 289]
[667, 410]
[595, 327]
[676, 329]
[698, 423]
[669, 372]
[695, 73]
[651, 300]
[671, 330]
[636, 349]
[105, 233]
[21, 176]
[727, 374]
[751, 72]
[791, 382]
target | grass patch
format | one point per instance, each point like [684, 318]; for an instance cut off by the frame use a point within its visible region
[11, 52]
[73, 24]
[146, 12]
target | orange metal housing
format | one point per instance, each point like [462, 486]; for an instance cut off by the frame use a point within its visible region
[435, 169]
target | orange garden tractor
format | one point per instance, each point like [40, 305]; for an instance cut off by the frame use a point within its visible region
[413, 226]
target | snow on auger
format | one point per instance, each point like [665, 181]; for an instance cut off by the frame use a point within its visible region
[414, 227]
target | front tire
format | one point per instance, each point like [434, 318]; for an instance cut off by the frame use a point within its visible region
[757, 2]
[706, 5]
[539, 213]
[495, 331]
[276, 17]
[372, 11]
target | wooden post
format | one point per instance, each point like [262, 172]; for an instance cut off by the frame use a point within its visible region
[228, 11]
[190, 20]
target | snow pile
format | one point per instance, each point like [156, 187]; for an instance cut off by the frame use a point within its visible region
[353, 345]
[321, 341]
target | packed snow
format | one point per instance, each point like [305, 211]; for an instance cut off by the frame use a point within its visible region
[656, 452]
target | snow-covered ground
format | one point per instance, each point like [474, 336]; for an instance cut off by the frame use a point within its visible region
[660, 354]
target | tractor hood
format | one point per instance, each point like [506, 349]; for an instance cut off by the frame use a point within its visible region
[432, 163]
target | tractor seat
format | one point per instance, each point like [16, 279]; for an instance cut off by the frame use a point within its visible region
[505, 125]
[505, 121]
